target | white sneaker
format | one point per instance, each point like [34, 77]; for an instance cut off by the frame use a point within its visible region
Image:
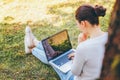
[28, 40]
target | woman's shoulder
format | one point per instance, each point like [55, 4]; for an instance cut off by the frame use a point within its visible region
[86, 43]
[98, 40]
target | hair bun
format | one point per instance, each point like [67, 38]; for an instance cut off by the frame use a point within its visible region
[100, 10]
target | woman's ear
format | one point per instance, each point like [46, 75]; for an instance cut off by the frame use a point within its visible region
[83, 23]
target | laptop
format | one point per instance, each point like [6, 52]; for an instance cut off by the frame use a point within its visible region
[57, 48]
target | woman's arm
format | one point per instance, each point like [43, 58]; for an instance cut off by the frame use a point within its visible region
[78, 61]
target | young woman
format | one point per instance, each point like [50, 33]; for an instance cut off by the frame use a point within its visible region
[87, 60]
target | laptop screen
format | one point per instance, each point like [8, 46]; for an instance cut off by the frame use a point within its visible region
[57, 44]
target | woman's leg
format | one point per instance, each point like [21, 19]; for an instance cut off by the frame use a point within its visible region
[64, 76]
[32, 45]
[39, 52]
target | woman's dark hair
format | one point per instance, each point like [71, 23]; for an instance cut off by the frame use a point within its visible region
[89, 13]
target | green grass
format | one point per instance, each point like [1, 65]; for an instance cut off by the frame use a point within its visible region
[15, 65]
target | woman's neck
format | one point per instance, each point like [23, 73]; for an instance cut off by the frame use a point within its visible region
[95, 32]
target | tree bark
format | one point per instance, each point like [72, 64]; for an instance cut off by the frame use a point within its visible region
[111, 62]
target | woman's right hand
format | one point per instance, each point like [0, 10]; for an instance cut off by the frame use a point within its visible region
[71, 56]
[82, 37]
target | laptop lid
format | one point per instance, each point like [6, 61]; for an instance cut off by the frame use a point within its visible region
[56, 44]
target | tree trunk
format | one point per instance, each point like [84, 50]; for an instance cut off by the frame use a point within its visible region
[111, 62]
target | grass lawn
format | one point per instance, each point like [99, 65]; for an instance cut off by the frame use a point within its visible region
[45, 18]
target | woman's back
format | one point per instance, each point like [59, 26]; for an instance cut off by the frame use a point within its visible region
[90, 54]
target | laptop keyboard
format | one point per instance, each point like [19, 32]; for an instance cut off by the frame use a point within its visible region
[62, 60]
